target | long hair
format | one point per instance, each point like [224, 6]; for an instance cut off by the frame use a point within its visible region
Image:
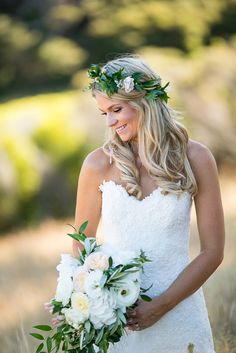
[162, 139]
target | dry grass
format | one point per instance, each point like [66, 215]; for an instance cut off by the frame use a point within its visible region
[28, 279]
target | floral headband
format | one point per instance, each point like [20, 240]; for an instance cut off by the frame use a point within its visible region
[111, 82]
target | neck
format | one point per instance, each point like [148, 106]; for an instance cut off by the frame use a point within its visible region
[134, 147]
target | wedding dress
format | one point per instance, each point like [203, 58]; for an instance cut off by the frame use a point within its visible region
[159, 224]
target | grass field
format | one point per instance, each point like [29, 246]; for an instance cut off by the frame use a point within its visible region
[28, 279]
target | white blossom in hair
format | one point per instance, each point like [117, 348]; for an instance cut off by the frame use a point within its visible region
[128, 84]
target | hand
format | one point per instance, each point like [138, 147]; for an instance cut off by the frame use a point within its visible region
[145, 314]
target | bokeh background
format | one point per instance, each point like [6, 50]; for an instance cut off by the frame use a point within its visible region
[48, 124]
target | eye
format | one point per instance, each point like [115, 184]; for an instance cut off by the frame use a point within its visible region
[117, 110]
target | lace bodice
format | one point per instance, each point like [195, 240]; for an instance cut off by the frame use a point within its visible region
[159, 225]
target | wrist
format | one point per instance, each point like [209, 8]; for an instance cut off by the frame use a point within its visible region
[165, 300]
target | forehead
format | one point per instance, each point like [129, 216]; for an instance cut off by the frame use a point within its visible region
[105, 103]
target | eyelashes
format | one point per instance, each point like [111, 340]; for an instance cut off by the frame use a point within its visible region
[117, 110]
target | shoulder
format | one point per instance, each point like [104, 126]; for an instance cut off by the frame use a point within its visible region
[96, 162]
[202, 161]
[199, 154]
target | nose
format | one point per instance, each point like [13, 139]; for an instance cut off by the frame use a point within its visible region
[111, 120]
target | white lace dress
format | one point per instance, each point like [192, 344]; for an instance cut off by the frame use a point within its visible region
[159, 224]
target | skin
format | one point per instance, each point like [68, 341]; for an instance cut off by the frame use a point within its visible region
[208, 206]
[118, 113]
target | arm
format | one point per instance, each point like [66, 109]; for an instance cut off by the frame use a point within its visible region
[88, 200]
[210, 223]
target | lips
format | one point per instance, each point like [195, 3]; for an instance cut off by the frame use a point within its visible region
[121, 128]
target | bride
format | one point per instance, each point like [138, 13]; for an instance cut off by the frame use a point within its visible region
[141, 183]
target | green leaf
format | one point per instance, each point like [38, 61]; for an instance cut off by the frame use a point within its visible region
[99, 336]
[114, 327]
[83, 226]
[39, 349]
[44, 327]
[147, 289]
[146, 298]
[110, 261]
[121, 316]
[72, 227]
[90, 349]
[37, 335]
[81, 339]
[87, 326]
[49, 344]
[78, 237]
[137, 76]
[87, 246]
[103, 280]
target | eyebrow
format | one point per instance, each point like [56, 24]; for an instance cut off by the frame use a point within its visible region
[111, 106]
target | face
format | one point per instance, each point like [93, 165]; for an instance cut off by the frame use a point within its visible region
[120, 116]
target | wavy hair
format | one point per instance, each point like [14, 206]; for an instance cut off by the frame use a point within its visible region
[162, 139]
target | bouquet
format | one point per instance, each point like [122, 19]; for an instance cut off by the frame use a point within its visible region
[93, 294]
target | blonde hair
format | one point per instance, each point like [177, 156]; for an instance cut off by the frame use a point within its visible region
[162, 139]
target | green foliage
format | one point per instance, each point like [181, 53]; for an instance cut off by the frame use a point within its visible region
[61, 56]
[39, 153]
[47, 42]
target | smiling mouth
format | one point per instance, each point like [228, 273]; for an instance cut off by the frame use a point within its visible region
[121, 128]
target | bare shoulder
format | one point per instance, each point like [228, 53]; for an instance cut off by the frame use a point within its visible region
[97, 162]
[202, 162]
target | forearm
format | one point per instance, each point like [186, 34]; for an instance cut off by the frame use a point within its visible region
[191, 278]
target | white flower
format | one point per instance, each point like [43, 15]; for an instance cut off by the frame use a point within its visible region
[127, 292]
[128, 84]
[80, 303]
[64, 289]
[97, 260]
[92, 284]
[73, 317]
[102, 310]
[66, 268]
[79, 279]
[68, 264]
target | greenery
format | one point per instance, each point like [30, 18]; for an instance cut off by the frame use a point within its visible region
[111, 82]
[46, 43]
[42, 149]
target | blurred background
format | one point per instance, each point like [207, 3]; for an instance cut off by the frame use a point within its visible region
[48, 124]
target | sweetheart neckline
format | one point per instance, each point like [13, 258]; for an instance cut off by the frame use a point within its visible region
[132, 197]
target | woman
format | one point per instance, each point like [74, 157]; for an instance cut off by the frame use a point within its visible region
[142, 183]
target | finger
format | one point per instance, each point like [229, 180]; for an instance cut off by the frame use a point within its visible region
[132, 313]
[132, 322]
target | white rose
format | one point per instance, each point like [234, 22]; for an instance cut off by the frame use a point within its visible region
[64, 289]
[73, 317]
[79, 278]
[102, 310]
[80, 303]
[97, 260]
[128, 84]
[127, 292]
[66, 268]
[67, 265]
[92, 284]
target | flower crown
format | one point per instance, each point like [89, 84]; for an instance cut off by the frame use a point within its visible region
[111, 82]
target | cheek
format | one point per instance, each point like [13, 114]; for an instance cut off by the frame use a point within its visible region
[132, 118]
